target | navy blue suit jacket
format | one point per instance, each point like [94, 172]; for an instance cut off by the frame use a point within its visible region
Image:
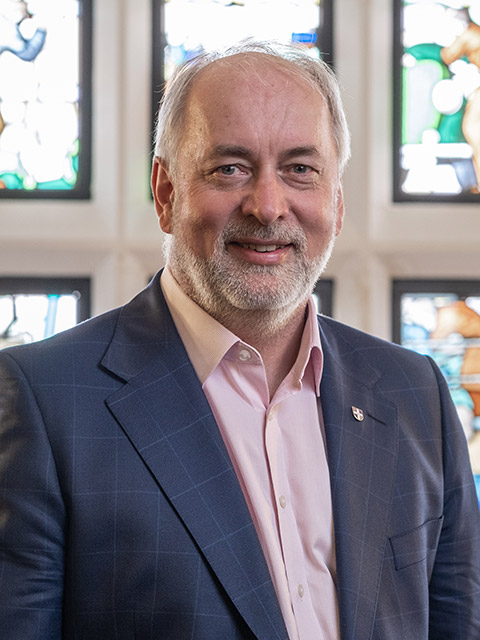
[121, 515]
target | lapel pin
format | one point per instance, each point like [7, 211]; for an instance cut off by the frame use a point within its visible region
[358, 414]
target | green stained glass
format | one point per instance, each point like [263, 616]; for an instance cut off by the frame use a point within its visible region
[11, 181]
[438, 94]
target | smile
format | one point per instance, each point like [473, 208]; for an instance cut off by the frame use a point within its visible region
[262, 248]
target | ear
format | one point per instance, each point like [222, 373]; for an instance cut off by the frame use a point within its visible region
[340, 209]
[162, 189]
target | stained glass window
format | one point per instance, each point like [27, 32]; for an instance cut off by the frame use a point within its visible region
[184, 28]
[45, 98]
[36, 308]
[323, 296]
[442, 319]
[437, 100]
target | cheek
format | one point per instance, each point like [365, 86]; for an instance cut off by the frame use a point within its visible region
[199, 221]
[320, 220]
[319, 227]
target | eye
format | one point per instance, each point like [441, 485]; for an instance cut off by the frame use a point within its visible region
[301, 175]
[301, 168]
[234, 173]
[227, 170]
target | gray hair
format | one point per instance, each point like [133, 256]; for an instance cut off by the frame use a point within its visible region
[173, 106]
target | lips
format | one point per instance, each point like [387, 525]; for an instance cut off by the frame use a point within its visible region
[261, 251]
[262, 248]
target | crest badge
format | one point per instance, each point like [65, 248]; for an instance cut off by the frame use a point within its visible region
[358, 414]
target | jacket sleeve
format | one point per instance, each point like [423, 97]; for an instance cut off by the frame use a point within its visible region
[32, 516]
[455, 582]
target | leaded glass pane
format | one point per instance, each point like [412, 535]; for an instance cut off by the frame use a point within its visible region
[323, 296]
[445, 324]
[44, 98]
[184, 28]
[437, 72]
[195, 25]
[36, 308]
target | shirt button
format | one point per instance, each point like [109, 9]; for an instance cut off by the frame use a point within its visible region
[244, 355]
[272, 413]
[300, 591]
[283, 502]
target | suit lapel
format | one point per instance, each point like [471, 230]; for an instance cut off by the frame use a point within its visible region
[164, 413]
[361, 448]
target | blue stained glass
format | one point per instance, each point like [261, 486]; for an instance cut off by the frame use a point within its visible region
[304, 38]
[447, 328]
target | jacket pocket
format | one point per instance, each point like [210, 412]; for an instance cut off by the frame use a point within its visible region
[414, 546]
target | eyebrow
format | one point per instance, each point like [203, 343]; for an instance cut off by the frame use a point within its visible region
[227, 150]
[308, 151]
[234, 150]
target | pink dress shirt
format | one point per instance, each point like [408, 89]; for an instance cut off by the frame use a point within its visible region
[277, 449]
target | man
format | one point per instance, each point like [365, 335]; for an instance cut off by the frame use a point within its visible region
[212, 461]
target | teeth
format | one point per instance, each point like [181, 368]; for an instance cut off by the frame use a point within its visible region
[262, 248]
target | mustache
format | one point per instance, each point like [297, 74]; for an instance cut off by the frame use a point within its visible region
[280, 232]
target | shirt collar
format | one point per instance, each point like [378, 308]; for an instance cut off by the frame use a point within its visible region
[310, 348]
[207, 341]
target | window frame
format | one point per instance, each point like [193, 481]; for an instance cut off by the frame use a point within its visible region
[54, 285]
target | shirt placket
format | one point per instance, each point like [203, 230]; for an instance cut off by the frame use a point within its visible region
[292, 553]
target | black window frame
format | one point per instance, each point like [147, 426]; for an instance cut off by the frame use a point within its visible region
[51, 285]
[463, 288]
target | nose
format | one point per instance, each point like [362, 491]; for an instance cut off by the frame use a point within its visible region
[266, 199]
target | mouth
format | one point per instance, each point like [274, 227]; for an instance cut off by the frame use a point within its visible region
[266, 253]
[261, 248]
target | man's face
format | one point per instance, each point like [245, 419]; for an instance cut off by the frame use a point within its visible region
[255, 201]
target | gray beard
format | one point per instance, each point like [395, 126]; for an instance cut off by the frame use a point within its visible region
[222, 284]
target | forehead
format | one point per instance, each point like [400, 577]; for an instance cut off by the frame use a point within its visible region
[254, 95]
[252, 66]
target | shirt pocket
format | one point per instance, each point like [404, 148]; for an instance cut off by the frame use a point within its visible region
[414, 546]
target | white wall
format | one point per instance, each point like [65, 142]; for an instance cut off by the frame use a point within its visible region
[114, 237]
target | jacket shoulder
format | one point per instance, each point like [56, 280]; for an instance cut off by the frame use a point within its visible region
[358, 352]
[335, 332]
